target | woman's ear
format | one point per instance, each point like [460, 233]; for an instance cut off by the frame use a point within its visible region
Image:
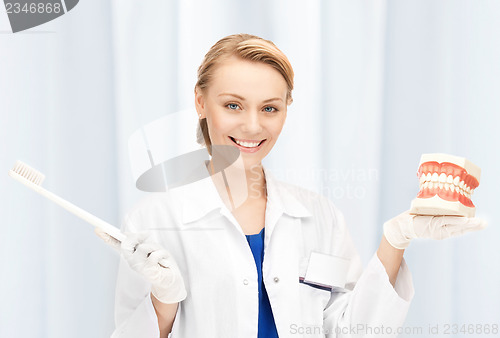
[199, 102]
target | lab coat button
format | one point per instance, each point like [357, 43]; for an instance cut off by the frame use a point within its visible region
[276, 279]
[245, 281]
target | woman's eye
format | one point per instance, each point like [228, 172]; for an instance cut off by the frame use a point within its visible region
[270, 109]
[232, 106]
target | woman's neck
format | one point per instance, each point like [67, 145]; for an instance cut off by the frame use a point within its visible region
[239, 184]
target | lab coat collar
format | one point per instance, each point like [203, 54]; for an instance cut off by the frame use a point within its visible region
[197, 199]
[201, 197]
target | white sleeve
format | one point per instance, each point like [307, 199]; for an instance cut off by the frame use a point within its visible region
[369, 306]
[135, 315]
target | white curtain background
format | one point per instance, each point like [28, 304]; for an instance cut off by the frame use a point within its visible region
[378, 83]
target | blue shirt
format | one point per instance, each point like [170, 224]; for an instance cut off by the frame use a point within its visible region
[267, 327]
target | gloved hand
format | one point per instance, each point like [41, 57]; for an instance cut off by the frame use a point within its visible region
[151, 261]
[400, 230]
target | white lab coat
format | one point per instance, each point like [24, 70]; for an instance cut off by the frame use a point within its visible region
[219, 271]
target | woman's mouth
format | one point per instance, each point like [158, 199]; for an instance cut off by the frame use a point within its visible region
[248, 146]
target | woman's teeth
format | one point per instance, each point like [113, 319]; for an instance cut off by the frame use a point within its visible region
[247, 144]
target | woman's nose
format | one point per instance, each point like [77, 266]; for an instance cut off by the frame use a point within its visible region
[252, 123]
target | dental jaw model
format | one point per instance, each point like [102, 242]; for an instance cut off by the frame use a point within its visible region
[446, 186]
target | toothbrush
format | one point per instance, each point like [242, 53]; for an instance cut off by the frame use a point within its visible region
[33, 179]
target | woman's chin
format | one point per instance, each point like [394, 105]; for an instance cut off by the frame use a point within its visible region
[247, 162]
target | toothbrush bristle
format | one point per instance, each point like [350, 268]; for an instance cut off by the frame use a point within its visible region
[32, 175]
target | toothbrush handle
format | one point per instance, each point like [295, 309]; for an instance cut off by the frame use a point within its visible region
[106, 227]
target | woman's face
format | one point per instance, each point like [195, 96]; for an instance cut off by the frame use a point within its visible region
[245, 106]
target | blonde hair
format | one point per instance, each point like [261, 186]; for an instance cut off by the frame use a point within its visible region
[248, 47]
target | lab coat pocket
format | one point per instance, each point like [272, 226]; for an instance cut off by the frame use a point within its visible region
[326, 271]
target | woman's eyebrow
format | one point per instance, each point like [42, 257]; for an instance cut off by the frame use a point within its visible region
[243, 99]
[235, 95]
[273, 99]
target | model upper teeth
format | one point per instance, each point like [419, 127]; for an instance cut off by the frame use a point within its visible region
[441, 181]
[247, 144]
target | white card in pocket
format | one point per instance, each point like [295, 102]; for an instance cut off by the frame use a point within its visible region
[327, 270]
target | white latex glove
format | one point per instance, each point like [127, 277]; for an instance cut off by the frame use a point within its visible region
[400, 230]
[153, 262]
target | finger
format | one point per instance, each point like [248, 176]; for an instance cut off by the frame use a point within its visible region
[440, 232]
[453, 220]
[153, 261]
[156, 272]
[440, 221]
[132, 240]
[481, 223]
[159, 257]
[465, 222]
[473, 224]
[164, 263]
[144, 250]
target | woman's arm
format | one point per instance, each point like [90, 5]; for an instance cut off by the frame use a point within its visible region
[166, 315]
[391, 259]
[378, 295]
[400, 230]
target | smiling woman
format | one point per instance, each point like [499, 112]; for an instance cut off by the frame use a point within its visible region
[244, 82]
[244, 106]
[280, 262]
[241, 96]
